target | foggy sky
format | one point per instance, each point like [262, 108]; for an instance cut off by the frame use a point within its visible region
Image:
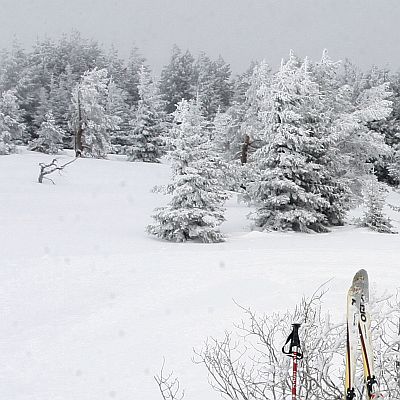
[240, 30]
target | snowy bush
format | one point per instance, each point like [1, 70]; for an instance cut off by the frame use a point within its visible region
[196, 208]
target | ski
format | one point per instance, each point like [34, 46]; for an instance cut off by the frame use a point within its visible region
[353, 301]
[359, 329]
[364, 327]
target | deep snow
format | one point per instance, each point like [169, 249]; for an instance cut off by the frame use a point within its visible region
[90, 304]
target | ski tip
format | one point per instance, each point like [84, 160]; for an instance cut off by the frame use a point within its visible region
[361, 275]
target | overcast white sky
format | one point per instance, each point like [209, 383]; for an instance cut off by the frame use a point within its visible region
[240, 30]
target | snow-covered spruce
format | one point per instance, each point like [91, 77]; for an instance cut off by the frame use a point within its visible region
[147, 128]
[91, 121]
[375, 193]
[49, 138]
[290, 174]
[195, 211]
[11, 127]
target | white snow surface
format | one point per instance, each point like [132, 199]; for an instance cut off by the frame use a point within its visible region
[90, 304]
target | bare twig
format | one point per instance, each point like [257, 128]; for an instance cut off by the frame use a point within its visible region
[169, 385]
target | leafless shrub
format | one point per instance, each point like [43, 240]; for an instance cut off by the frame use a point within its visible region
[249, 365]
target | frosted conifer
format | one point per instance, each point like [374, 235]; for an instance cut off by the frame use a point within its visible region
[11, 127]
[221, 137]
[178, 79]
[374, 194]
[195, 211]
[50, 136]
[91, 121]
[287, 189]
[148, 126]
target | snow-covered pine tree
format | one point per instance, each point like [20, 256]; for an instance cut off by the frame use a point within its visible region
[12, 66]
[61, 103]
[374, 194]
[213, 85]
[287, 187]
[252, 125]
[220, 142]
[195, 211]
[131, 80]
[50, 136]
[220, 134]
[178, 79]
[90, 121]
[359, 146]
[11, 127]
[238, 113]
[118, 107]
[319, 121]
[148, 126]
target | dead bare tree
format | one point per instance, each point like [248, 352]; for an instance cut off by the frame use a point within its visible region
[47, 169]
[169, 385]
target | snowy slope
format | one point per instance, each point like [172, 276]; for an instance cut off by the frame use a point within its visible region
[90, 304]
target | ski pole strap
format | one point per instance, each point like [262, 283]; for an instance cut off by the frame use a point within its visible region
[294, 343]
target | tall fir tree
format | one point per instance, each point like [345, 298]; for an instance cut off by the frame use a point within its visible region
[91, 122]
[117, 106]
[290, 175]
[11, 125]
[178, 79]
[131, 80]
[220, 134]
[195, 211]
[213, 85]
[148, 126]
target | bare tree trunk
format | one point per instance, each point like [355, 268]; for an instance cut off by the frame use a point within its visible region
[245, 149]
[79, 131]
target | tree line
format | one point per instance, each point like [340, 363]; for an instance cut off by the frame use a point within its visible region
[298, 140]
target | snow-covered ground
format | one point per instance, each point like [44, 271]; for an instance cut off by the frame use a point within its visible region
[90, 304]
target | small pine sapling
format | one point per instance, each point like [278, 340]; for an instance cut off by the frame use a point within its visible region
[374, 218]
[195, 211]
[50, 136]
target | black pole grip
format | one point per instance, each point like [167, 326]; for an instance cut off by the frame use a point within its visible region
[294, 340]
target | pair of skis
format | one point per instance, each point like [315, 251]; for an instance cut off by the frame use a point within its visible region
[359, 330]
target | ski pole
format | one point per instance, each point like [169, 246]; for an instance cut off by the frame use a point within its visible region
[296, 353]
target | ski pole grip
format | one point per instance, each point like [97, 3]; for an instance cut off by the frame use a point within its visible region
[294, 346]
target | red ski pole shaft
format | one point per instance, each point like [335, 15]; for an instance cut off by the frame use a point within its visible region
[294, 381]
